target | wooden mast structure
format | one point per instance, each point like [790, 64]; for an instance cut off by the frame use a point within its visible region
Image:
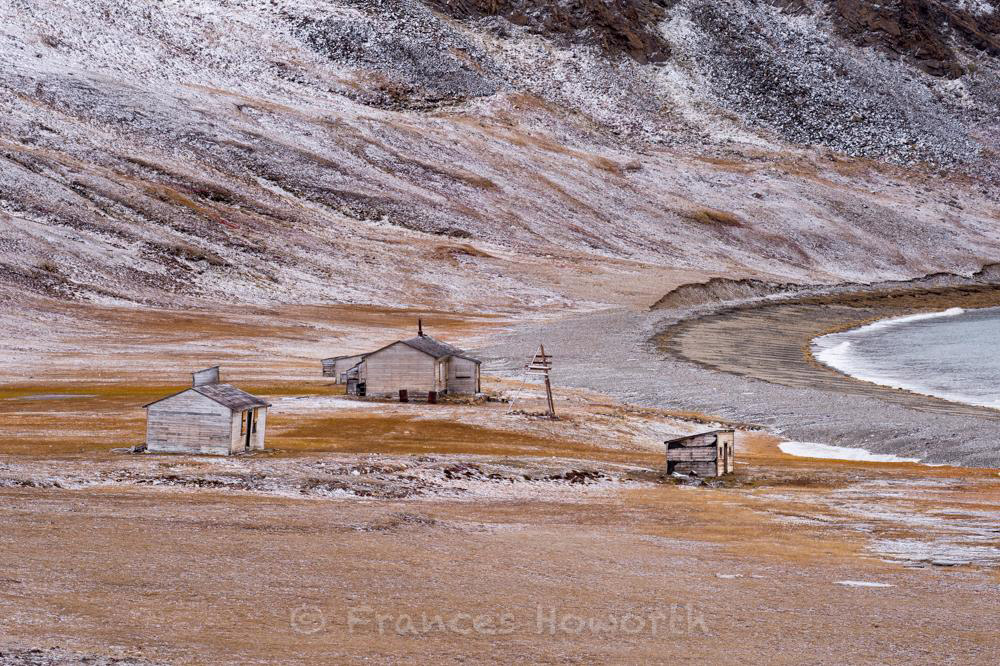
[540, 364]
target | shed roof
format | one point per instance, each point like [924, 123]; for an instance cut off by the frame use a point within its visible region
[698, 434]
[229, 396]
[226, 395]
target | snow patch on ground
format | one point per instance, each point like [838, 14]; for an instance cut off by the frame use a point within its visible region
[831, 452]
[939, 552]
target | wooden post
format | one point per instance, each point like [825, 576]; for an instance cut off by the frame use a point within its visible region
[548, 391]
[548, 384]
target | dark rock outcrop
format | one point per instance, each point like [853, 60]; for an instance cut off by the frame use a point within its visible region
[925, 32]
[616, 26]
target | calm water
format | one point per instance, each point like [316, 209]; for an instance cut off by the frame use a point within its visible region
[954, 354]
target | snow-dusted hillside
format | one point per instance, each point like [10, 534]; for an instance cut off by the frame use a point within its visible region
[486, 154]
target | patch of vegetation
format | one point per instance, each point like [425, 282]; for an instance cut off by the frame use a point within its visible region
[49, 266]
[190, 253]
[715, 218]
[398, 520]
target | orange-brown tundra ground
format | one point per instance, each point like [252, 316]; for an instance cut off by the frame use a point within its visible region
[488, 552]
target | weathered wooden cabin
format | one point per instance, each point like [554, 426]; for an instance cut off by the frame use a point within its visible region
[338, 366]
[210, 417]
[704, 454]
[419, 366]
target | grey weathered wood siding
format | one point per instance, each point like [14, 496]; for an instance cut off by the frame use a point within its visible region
[258, 442]
[206, 376]
[189, 423]
[728, 444]
[463, 376]
[694, 454]
[703, 460]
[703, 469]
[336, 367]
[238, 437]
[704, 439]
[706, 454]
[342, 365]
[400, 366]
[236, 434]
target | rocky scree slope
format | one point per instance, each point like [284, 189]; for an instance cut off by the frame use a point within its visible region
[405, 152]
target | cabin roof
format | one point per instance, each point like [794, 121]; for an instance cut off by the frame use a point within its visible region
[226, 395]
[429, 346]
[229, 396]
[436, 348]
[342, 357]
[698, 434]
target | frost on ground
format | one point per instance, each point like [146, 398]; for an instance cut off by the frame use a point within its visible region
[182, 183]
[340, 477]
[903, 520]
[185, 153]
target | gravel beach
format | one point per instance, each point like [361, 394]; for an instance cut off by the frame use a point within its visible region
[765, 377]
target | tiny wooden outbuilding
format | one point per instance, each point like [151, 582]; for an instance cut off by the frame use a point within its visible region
[704, 454]
[419, 366]
[210, 417]
[338, 366]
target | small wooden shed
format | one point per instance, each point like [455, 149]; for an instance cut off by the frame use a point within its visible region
[338, 366]
[704, 454]
[208, 418]
[420, 365]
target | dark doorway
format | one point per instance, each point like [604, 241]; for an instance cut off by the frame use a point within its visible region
[250, 426]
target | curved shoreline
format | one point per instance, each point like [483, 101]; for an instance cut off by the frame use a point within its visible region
[749, 363]
[834, 351]
[773, 342]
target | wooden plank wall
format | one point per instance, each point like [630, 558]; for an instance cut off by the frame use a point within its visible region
[258, 442]
[206, 376]
[400, 367]
[707, 454]
[463, 376]
[728, 442]
[704, 439]
[237, 440]
[692, 454]
[702, 469]
[345, 364]
[188, 423]
[703, 460]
